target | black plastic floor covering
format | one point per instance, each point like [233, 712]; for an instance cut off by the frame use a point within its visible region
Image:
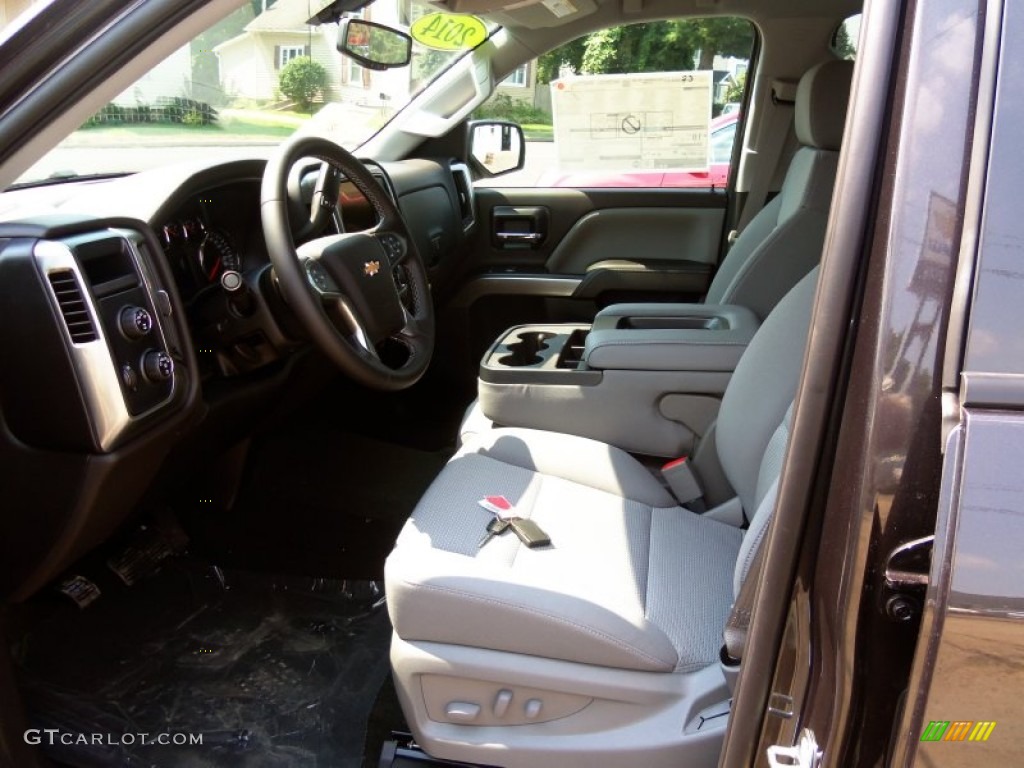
[271, 672]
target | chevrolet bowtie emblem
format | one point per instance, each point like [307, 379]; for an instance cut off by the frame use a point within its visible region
[371, 268]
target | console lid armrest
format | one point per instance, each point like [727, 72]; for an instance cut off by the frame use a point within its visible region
[669, 337]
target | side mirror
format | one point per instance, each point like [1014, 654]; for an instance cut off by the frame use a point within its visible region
[497, 146]
[374, 46]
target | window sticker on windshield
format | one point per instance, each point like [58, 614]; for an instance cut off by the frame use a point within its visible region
[448, 31]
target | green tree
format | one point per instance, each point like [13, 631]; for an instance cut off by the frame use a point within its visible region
[302, 80]
[734, 93]
[661, 46]
[842, 44]
[570, 54]
[722, 36]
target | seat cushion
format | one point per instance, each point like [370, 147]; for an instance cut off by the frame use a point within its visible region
[631, 580]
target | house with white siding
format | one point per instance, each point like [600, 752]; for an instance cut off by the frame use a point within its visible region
[250, 63]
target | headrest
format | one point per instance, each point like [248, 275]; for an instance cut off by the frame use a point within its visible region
[821, 100]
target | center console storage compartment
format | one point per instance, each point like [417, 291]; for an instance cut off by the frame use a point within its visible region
[669, 337]
[645, 377]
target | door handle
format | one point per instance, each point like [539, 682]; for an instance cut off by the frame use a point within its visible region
[520, 237]
[518, 227]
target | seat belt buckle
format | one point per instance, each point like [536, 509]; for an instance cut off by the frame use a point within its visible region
[682, 480]
[732, 237]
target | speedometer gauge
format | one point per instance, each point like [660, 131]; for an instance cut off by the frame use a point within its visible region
[217, 254]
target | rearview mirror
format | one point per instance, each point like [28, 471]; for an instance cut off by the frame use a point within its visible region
[497, 146]
[374, 46]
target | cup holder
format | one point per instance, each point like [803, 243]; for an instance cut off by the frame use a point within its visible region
[526, 350]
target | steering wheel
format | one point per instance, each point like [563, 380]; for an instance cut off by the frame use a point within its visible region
[347, 289]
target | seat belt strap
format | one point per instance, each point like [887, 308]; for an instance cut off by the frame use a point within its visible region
[770, 152]
[738, 625]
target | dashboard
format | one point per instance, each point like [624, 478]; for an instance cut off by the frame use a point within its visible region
[132, 349]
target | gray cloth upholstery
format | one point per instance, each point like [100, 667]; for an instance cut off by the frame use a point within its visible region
[474, 422]
[623, 559]
[761, 391]
[784, 241]
[821, 100]
[631, 580]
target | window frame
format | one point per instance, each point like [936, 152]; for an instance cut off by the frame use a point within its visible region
[518, 77]
[282, 54]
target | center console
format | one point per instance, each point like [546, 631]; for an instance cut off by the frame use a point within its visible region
[645, 377]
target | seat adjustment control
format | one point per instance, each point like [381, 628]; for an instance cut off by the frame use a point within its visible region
[462, 711]
[533, 708]
[501, 702]
[157, 366]
[135, 322]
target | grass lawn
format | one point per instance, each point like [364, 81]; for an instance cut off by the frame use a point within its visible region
[251, 123]
[538, 132]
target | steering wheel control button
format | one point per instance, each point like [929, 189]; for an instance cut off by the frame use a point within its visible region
[393, 246]
[157, 366]
[317, 277]
[231, 280]
[135, 322]
[462, 711]
[129, 378]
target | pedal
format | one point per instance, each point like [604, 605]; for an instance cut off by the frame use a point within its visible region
[82, 591]
[143, 556]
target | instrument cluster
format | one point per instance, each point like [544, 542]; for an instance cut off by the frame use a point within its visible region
[213, 233]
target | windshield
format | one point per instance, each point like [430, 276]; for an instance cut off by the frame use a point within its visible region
[242, 86]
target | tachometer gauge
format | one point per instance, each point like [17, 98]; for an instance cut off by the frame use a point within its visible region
[193, 229]
[172, 232]
[216, 254]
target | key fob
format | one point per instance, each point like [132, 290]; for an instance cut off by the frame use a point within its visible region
[531, 534]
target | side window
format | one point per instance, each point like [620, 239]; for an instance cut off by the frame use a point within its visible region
[844, 41]
[641, 105]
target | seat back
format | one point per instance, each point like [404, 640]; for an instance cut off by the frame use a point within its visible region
[784, 241]
[753, 422]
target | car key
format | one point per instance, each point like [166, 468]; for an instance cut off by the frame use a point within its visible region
[531, 534]
[495, 527]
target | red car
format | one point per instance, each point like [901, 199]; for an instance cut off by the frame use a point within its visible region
[723, 134]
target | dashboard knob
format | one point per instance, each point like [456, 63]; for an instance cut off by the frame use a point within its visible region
[231, 281]
[135, 322]
[157, 366]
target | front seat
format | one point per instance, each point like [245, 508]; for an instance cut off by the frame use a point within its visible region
[783, 242]
[602, 648]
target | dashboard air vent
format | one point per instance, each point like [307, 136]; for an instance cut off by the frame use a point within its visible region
[72, 306]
